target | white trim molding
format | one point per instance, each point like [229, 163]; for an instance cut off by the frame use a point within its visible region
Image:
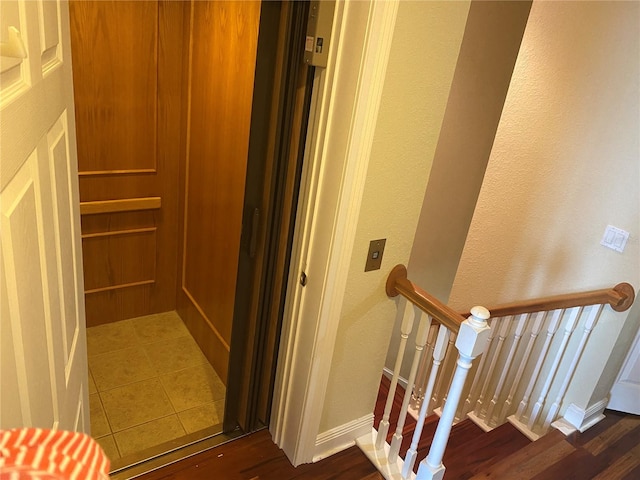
[342, 437]
[345, 101]
[576, 418]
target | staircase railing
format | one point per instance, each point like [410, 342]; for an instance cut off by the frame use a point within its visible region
[531, 352]
[531, 356]
[471, 338]
[527, 370]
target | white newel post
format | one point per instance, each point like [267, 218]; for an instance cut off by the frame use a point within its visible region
[470, 343]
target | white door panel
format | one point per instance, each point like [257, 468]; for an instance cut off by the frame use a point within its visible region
[44, 364]
[10, 408]
[25, 274]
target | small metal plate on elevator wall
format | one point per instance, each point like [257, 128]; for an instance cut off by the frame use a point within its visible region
[374, 257]
[319, 25]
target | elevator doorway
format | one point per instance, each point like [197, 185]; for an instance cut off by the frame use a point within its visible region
[189, 116]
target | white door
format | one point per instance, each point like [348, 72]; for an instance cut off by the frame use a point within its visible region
[43, 359]
[625, 394]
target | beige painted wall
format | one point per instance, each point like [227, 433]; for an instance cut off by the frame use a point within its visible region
[487, 57]
[425, 47]
[565, 164]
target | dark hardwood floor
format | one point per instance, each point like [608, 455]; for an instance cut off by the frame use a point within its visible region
[256, 457]
[609, 450]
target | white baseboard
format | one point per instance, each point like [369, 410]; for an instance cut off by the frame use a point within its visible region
[583, 419]
[401, 380]
[342, 437]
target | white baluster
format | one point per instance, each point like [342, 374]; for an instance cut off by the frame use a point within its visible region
[521, 323]
[476, 379]
[477, 415]
[405, 330]
[440, 392]
[538, 321]
[568, 329]
[592, 318]
[421, 339]
[470, 343]
[438, 355]
[423, 370]
[551, 331]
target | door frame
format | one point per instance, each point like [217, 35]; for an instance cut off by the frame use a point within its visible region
[346, 98]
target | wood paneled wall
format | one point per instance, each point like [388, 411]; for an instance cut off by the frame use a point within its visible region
[127, 65]
[223, 42]
[164, 95]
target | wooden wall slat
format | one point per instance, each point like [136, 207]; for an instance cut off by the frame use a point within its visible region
[120, 286]
[120, 205]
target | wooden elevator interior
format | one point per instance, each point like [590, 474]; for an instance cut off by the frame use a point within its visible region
[169, 97]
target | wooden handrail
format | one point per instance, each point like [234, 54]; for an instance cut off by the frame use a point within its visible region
[620, 298]
[398, 284]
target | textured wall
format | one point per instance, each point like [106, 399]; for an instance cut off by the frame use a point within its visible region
[424, 51]
[564, 165]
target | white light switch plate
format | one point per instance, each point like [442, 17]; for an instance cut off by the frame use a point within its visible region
[615, 238]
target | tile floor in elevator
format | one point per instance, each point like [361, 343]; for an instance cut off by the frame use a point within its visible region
[149, 383]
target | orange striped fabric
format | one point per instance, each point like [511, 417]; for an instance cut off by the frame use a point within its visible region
[40, 454]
